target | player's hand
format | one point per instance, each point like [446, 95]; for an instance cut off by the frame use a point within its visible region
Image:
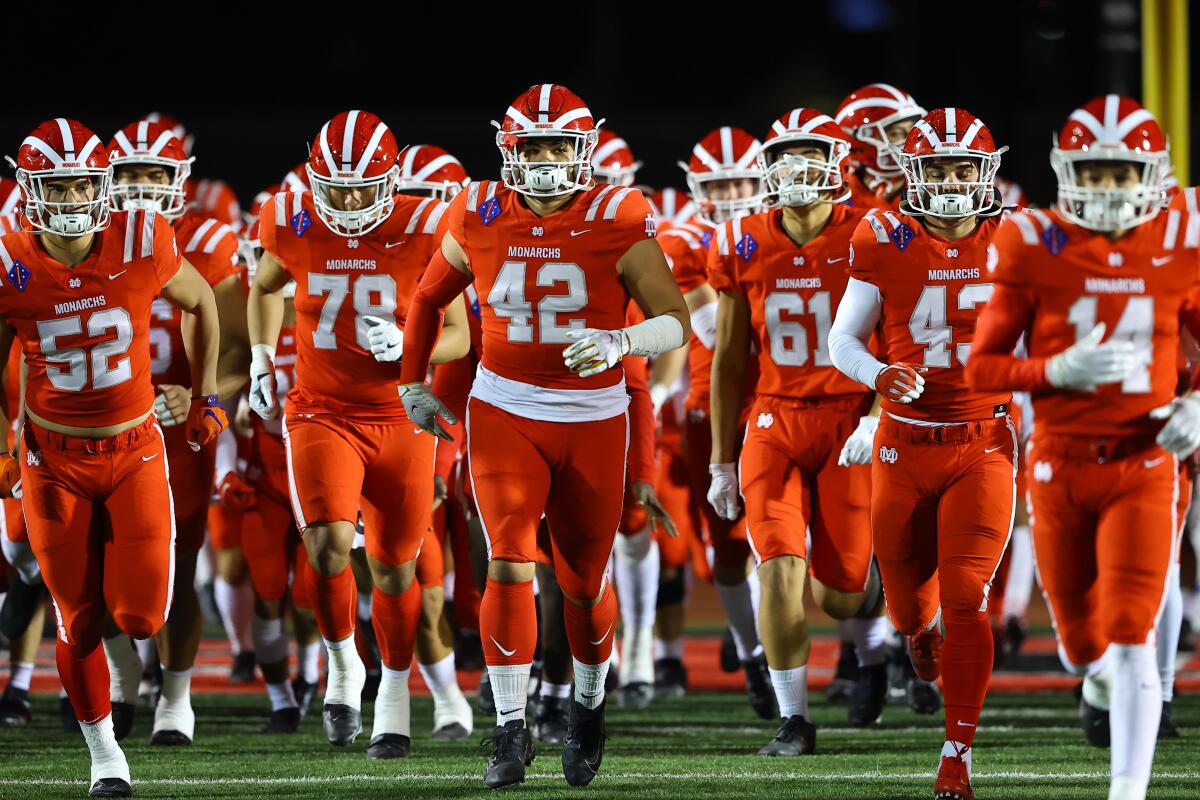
[659, 395]
[10, 477]
[900, 382]
[1088, 363]
[440, 491]
[644, 494]
[171, 404]
[235, 494]
[594, 351]
[205, 421]
[423, 408]
[1181, 435]
[858, 447]
[385, 337]
[723, 491]
[262, 381]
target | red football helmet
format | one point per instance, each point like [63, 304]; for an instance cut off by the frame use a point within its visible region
[613, 161]
[429, 171]
[865, 114]
[296, 179]
[150, 144]
[547, 111]
[672, 206]
[800, 180]
[724, 175]
[941, 138]
[176, 126]
[354, 151]
[63, 152]
[1115, 129]
[10, 197]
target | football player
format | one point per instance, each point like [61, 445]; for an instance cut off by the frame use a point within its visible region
[877, 117]
[81, 284]
[355, 250]
[555, 260]
[942, 474]
[1103, 284]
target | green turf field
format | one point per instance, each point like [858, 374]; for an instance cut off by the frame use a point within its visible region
[701, 746]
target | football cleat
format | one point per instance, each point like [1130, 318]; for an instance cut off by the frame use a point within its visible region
[635, 696]
[342, 724]
[953, 780]
[1014, 637]
[759, 689]
[484, 700]
[869, 696]
[111, 787]
[795, 737]
[169, 738]
[174, 724]
[122, 718]
[841, 688]
[452, 719]
[925, 649]
[584, 748]
[389, 745]
[282, 720]
[729, 659]
[670, 678]
[304, 692]
[1166, 728]
[15, 708]
[451, 732]
[1094, 722]
[243, 667]
[512, 752]
[550, 716]
[923, 697]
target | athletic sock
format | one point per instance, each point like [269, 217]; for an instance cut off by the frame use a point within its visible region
[637, 570]
[124, 669]
[108, 761]
[233, 608]
[589, 683]
[147, 651]
[441, 677]
[392, 712]
[737, 601]
[870, 637]
[309, 658]
[558, 691]
[791, 690]
[966, 671]
[1136, 704]
[333, 603]
[395, 618]
[21, 676]
[347, 674]
[1170, 622]
[590, 631]
[270, 640]
[664, 648]
[84, 676]
[510, 687]
[281, 695]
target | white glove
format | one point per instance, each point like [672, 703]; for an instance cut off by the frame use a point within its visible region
[1088, 363]
[857, 449]
[723, 491]
[165, 418]
[262, 381]
[423, 408]
[595, 351]
[385, 337]
[1181, 435]
[659, 395]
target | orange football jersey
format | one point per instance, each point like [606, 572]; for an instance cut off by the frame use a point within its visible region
[539, 277]
[933, 291]
[793, 294]
[1070, 279]
[211, 247]
[686, 247]
[85, 330]
[339, 280]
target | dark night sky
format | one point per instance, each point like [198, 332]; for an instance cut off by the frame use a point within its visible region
[254, 94]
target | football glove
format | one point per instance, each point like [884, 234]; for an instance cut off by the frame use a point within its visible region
[235, 493]
[385, 337]
[723, 491]
[858, 447]
[262, 382]
[1088, 363]
[1181, 435]
[900, 383]
[10, 477]
[423, 408]
[205, 421]
[595, 351]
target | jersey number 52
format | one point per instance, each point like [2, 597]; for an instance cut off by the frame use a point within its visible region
[73, 377]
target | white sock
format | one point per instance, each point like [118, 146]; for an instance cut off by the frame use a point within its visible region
[346, 674]
[755, 593]
[739, 610]
[309, 658]
[270, 640]
[637, 649]
[510, 686]
[1136, 696]
[174, 711]
[671, 649]
[791, 690]
[449, 703]
[21, 676]
[1019, 586]
[107, 759]
[1097, 683]
[959, 749]
[363, 609]
[1126, 787]
[177, 686]
[281, 695]
[637, 569]
[392, 712]
[147, 651]
[870, 639]
[231, 606]
[1169, 622]
[558, 691]
[440, 676]
[124, 669]
[589, 683]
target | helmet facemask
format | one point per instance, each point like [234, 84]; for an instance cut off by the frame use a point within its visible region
[552, 178]
[798, 180]
[63, 217]
[1109, 209]
[168, 199]
[931, 194]
[356, 222]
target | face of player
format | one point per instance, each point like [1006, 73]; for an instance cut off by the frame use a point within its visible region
[65, 193]
[730, 189]
[155, 174]
[351, 198]
[951, 174]
[545, 149]
[897, 132]
[1109, 174]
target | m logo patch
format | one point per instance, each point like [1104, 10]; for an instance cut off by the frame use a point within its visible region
[651, 227]
[888, 455]
[766, 420]
[33, 458]
[1042, 472]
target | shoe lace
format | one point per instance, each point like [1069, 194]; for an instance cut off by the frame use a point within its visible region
[502, 743]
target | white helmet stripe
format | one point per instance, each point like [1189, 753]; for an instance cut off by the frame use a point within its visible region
[410, 155]
[64, 129]
[1112, 104]
[569, 117]
[705, 157]
[779, 128]
[951, 124]
[1132, 121]
[44, 149]
[519, 118]
[749, 156]
[348, 139]
[368, 153]
[893, 91]
[143, 132]
[326, 152]
[607, 149]
[929, 133]
[815, 122]
[86, 152]
[435, 165]
[726, 145]
[1087, 120]
[972, 131]
[867, 102]
[544, 98]
[162, 141]
[793, 118]
[124, 143]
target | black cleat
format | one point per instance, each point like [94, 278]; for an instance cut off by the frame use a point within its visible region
[729, 658]
[282, 720]
[584, 748]
[869, 695]
[305, 693]
[242, 671]
[485, 701]
[923, 697]
[759, 689]
[512, 752]
[15, 708]
[66, 716]
[122, 719]
[550, 717]
[670, 678]
[635, 696]
[1166, 728]
[1094, 722]
[168, 738]
[453, 732]
[795, 737]
[389, 745]
[342, 724]
[842, 686]
[110, 787]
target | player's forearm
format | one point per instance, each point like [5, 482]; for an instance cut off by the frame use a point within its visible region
[234, 364]
[455, 338]
[725, 408]
[992, 365]
[439, 287]
[202, 342]
[641, 466]
[857, 316]
[264, 316]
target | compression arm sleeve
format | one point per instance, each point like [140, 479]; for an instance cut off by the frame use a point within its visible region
[857, 316]
[440, 284]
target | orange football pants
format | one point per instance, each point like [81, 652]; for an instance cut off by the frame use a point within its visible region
[941, 514]
[1105, 533]
[270, 539]
[791, 482]
[337, 467]
[674, 490]
[727, 539]
[191, 486]
[101, 523]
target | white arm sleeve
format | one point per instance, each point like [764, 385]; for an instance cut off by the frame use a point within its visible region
[857, 316]
[226, 455]
[704, 324]
[656, 335]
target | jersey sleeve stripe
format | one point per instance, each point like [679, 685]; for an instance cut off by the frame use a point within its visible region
[1040, 216]
[492, 187]
[297, 202]
[1190, 200]
[198, 236]
[1025, 226]
[281, 209]
[877, 226]
[610, 211]
[1172, 232]
[722, 241]
[1191, 237]
[594, 208]
[737, 231]
[411, 227]
[473, 195]
[129, 233]
[148, 220]
[435, 216]
[217, 236]
[5, 258]
[892, 219]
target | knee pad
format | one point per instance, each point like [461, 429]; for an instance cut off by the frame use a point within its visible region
[671, 589]
[634, 546]
[270, 639]
[731, 552]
